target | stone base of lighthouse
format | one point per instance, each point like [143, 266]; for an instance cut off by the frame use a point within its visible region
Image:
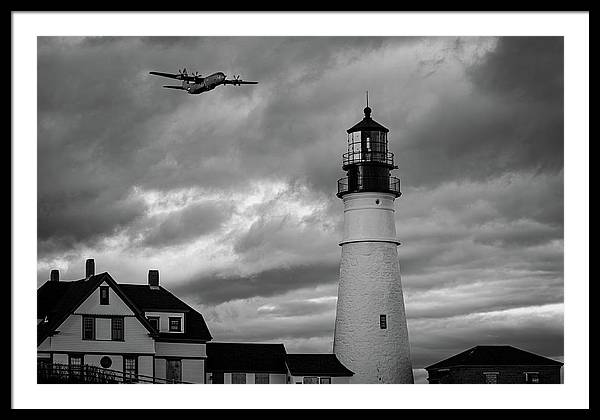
[371, 335]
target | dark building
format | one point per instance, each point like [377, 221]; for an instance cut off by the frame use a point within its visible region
[495, 365]
[246, 363]
[259, 363]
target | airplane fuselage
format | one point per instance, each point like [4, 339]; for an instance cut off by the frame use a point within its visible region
[208, 83]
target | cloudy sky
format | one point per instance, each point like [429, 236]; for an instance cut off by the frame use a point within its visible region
[231, 194]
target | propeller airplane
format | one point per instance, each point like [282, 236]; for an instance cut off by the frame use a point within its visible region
[194, 83]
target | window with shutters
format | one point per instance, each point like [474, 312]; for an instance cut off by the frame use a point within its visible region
[118, 328]
[89, 328]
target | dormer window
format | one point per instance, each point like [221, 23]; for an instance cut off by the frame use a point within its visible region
[104, 300]
[174, 324]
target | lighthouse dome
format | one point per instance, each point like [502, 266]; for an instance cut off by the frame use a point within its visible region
[367, 124]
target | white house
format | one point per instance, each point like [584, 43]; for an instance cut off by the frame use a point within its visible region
[136, 332]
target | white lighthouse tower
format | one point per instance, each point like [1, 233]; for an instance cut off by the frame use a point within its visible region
[371, 336]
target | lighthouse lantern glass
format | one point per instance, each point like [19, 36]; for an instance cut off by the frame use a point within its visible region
[368, 146]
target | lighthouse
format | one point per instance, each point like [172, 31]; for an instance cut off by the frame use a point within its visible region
[371, 335]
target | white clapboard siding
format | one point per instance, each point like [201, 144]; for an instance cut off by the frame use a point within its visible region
[45, 345]
[160, 368]
[145, 366]
[94, 360]
[192, 370]
[69, 338]
[92, 305]
[180, 350]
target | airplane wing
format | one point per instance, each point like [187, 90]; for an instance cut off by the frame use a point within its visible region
[175, 87]
[180, 76]
[238, 82]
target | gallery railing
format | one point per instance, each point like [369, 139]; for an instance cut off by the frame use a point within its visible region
[389, 184]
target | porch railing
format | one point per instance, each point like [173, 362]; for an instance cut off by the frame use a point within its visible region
[52, 373]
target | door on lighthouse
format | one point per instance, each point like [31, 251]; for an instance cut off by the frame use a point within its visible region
[173, 371]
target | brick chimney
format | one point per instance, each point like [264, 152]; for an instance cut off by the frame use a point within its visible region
[153, 279]
[90, 268]
[54, 275]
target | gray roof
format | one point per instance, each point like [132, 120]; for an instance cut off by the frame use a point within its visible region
[494, 356]
[317, 364]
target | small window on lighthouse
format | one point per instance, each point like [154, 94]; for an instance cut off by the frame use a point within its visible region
[382, 322]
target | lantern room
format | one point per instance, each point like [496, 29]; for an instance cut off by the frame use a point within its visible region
[368, 162]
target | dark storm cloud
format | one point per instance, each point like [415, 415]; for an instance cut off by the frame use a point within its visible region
[190, 223]
[66, 218]
[512, 120]
[110, 103]
[271, 282]
[529, 67]
[98, 112]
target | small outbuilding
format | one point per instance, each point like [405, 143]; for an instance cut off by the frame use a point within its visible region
[495, 365]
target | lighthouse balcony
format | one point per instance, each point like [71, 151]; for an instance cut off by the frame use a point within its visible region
[388, 184]
[350, 158]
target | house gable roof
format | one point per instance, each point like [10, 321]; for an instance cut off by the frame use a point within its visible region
[160, 299]
[245, 357]
[317, 365]
[58, 299]
[494, 356]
